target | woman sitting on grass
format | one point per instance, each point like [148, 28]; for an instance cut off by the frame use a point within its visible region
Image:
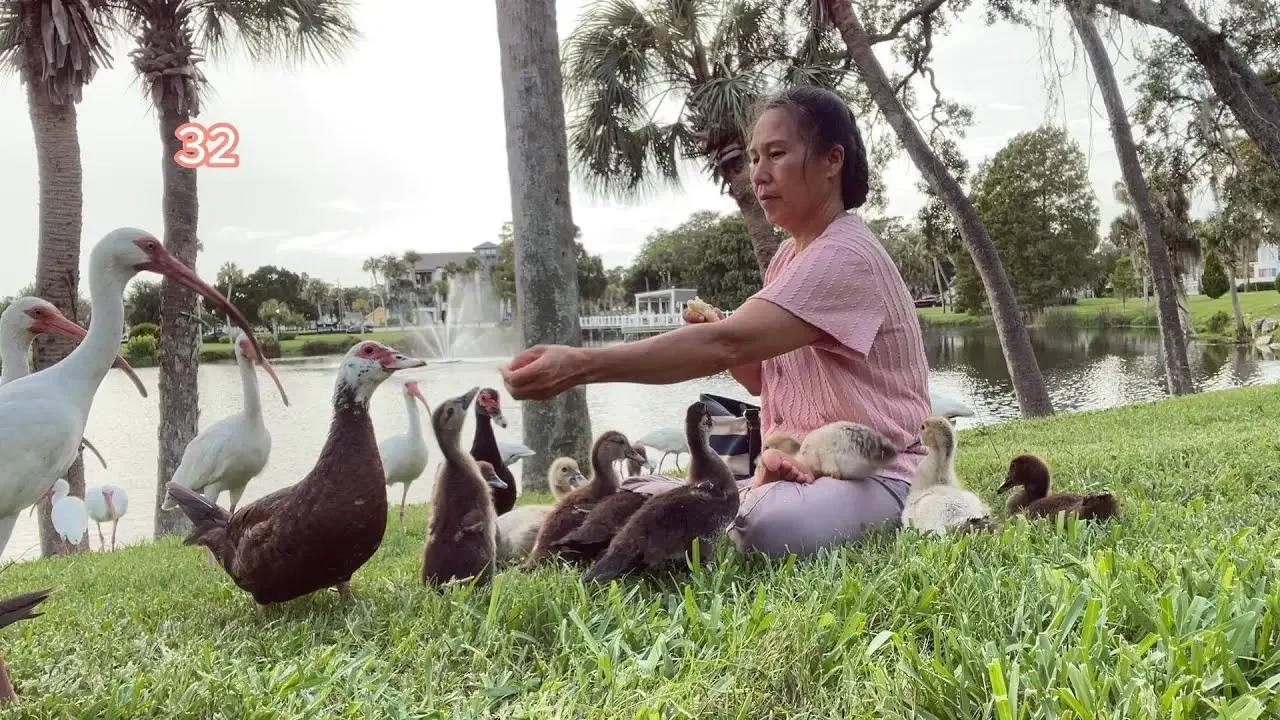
[833, 335]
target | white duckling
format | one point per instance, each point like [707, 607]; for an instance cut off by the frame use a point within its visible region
[106, 503]
[518, 529]
[937, 500]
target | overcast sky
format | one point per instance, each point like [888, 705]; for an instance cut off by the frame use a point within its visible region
[401, 146]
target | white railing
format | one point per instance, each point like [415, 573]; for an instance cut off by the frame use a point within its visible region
[661, 321]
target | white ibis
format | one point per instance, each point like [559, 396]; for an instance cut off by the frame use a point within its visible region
[42, 416]
[106, 503]
[67, 513]
[512, 452]
[234, 450]
[21, 322]
[404, 456]
[670, 441]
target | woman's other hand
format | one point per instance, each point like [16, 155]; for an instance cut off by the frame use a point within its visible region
[543, 371]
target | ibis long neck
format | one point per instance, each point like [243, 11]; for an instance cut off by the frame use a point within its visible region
[14, 348]
[415, 418]
[249, 383]
[89, 363]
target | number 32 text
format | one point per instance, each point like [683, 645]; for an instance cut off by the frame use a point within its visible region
[211, 147]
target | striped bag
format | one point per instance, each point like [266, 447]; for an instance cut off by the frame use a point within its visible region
[735, 433]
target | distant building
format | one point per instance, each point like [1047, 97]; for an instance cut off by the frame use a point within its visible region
[1262, 269]
[664, 302]
[430, 268]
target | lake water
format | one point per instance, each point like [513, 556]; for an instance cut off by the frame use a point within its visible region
[1085, 369]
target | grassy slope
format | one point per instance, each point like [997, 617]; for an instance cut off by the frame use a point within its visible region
[1176, 605]
[1252, 304]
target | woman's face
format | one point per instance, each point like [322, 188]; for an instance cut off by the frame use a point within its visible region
[791, 183]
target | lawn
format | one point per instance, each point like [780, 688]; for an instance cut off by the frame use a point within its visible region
[1173, 611]
[1111, 312]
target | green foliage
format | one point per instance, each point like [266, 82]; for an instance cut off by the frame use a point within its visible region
[1170, 611]
[1214, 281]
[593, 282]
[1218, 322]
[142, 350]
[145, 328]
[709, 252]
[142, 303]
[270, 346]
[1124, 281]
[1038, 205]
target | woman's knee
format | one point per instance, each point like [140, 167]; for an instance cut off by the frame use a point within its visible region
[783, 518]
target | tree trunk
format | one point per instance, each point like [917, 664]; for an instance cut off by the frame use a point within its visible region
[1177, 369]
[1255, 107]
[58, 261]
[1020, 357]
[179, 332]
[1235, 304]
[545, 256]
[764, 236]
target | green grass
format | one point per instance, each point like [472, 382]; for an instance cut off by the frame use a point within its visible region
[1110, 312]
[1173, 611]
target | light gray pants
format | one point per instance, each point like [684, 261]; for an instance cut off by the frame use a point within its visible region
[783, 517]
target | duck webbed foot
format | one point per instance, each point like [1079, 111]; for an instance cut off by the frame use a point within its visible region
[344, 590]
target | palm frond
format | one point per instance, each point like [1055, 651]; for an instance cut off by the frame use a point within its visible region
[313, 31]
[71, 38]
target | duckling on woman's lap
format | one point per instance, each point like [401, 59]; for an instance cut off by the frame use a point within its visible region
[783, 517]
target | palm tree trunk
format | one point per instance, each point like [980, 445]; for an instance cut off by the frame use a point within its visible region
[179, 332]
[1255, 107]
[546, 261]
[1020, 357]
[1177, 369]
[58, 261]
[764, 236]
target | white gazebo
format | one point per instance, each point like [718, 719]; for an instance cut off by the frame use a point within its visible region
[664, 302]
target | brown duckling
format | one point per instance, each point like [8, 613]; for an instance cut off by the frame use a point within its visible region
[518, 529]
[602, 523]
[460, 535]
[1034, 500]
[572, 509]
[636, 464]
[18, 607]
[660, 534]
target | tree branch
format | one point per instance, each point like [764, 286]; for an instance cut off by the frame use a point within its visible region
[923, 10]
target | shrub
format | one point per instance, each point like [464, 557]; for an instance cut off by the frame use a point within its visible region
[287, 336]
[1218, 323]
[1213, 281]
[328, 345]
[217, 355]
[144, 329]
[270, 346]
[142, 350]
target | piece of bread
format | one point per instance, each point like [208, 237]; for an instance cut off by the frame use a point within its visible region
[708, 311]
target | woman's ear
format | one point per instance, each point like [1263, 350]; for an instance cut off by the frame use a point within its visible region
[835, 161]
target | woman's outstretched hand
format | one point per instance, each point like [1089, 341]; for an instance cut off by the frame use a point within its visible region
[694, 316]
[542, 371]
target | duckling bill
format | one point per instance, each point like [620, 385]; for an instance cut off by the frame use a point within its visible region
[661, 533]
[461, 541]
[1031, 475]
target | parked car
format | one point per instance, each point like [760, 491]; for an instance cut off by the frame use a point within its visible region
[928, 301]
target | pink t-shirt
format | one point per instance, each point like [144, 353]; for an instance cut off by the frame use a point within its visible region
[870, 366]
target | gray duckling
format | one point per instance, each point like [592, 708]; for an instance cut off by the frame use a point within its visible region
[660, 534]
[460, 534]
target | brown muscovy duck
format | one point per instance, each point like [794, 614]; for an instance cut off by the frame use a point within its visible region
[317, 533]
[484, 446]
[19, 607]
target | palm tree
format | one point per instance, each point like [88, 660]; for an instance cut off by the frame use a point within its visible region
[57, 48]
[173, 37]
[1170, 291]
[1019, 355]
[716, 57]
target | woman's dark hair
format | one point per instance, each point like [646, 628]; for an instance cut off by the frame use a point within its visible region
[824, 121]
